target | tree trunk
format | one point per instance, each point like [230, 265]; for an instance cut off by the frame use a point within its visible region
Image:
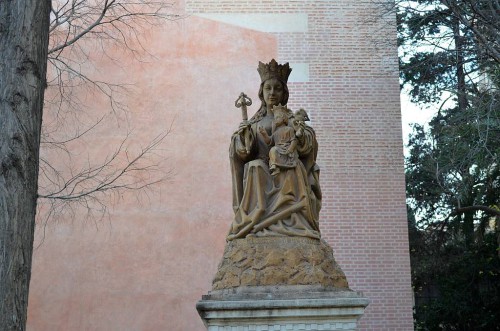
[459, 50]
[24, 31]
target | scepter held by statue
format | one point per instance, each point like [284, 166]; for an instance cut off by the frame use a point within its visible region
[243, 102]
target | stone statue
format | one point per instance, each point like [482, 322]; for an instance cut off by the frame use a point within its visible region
[300, 121]
[276, 272]
[274, 238]
[275, 177]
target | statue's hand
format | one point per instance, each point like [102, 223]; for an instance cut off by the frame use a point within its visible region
[244, 125]
[262, 131]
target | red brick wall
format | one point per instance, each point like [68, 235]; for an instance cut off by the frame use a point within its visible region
[145, 266]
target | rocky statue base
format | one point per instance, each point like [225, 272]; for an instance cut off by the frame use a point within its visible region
[280, 283]
[264, 261]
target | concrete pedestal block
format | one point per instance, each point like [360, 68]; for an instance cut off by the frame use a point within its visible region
[281, 308]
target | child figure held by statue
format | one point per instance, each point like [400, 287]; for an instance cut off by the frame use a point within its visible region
[283, 154]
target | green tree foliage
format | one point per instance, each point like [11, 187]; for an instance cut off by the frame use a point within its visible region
[449, 59]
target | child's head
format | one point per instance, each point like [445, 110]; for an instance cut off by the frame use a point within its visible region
[281, 119]
[301, 115]
[280, 115]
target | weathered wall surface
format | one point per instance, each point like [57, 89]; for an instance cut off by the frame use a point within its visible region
[145, 267]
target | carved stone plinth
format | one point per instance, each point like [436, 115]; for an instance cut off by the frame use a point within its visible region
[267, 261]
[281, 308]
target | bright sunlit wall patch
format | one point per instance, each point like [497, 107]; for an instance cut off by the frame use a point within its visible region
[263, 22]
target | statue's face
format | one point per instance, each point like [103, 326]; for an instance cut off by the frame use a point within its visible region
[273, 92]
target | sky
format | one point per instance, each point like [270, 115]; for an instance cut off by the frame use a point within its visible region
[411, 113]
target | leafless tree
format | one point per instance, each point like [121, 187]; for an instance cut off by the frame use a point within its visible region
[103, 24]
[24, 52]
[23, 63]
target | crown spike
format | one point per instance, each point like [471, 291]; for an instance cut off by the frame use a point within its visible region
[274, 70]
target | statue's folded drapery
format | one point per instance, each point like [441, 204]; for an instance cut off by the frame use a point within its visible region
[286, 204]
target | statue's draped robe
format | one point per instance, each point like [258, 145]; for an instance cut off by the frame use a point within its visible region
[287, 204]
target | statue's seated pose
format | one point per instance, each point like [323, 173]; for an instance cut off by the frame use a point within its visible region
[276, 188]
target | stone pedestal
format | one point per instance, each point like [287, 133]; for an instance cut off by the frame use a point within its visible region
[281, 308]
[280, 283]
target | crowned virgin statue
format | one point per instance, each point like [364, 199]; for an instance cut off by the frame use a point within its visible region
[277, 200]
[276, 272]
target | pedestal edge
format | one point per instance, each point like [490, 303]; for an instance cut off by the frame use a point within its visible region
[281, 297]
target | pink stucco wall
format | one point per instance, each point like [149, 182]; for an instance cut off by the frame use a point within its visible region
[145, 265]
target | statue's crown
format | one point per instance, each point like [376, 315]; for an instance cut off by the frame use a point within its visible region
[274, 70]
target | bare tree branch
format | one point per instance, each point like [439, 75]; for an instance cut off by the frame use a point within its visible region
[75, 26]
[89, 28]
[78, 19]
[486, 209]
[93, 185]
[491, 46]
